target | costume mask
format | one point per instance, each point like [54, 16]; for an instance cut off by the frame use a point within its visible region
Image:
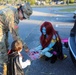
[44, 30]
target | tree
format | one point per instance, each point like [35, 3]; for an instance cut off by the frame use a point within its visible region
[72, 1]
[31, 1]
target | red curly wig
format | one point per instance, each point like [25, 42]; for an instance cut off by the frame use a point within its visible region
[49, 31]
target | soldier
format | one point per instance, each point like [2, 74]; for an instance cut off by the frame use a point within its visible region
[9, 20]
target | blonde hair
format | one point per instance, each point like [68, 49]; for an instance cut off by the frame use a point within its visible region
[16, 45]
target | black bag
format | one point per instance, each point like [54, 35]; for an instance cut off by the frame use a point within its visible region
[58, 47]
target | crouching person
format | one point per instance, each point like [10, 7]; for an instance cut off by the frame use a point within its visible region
[15, 63]
[50, 43]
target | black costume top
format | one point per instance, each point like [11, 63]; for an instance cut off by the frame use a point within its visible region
[14, 66]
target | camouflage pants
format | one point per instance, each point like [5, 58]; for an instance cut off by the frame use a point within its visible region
[3, 50]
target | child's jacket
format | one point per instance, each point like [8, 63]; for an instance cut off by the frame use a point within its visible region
[14, 67]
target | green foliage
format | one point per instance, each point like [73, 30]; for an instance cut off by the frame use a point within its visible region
[72, 1]
[31, 1]
[47, 1]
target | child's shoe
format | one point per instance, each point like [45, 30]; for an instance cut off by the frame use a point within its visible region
[53, 59]
[65, 56]
[46, 59]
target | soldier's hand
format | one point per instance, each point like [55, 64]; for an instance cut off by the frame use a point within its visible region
[27, 50]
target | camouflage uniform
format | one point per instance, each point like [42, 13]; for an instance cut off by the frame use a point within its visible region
[8, 22]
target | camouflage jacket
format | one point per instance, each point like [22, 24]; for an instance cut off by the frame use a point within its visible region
[9, 21]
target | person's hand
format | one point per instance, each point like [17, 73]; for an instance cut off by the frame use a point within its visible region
[28, 62]
[43, 51]
[27, 50]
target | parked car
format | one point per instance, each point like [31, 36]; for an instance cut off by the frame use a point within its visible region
[59, 2]
[42, 2]
[52, 3]
[38, 2]
[72, 44]
[74, 15]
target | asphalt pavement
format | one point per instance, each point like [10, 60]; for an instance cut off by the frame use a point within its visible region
[30, 32]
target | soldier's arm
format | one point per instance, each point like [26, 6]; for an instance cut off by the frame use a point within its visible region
[15, 35]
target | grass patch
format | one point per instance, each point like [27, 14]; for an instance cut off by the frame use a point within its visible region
[56, 5]
[68, 10]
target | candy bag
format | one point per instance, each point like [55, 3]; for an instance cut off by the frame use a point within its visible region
[33, 54]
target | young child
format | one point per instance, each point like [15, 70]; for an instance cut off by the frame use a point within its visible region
[15, 64]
